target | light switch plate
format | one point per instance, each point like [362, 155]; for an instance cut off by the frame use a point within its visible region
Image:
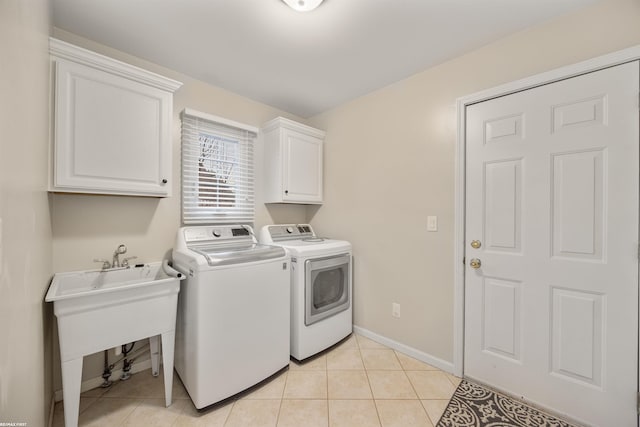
[432, 223]
[395, 310]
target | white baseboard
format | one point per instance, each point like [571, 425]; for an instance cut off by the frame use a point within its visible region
[409, 351]
[96, 382]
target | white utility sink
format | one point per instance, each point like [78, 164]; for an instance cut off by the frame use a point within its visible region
[97, 310]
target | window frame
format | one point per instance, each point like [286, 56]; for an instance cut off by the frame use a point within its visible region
[225, 133]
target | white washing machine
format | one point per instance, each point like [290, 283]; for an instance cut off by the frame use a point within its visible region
[232, 328]
[321, 307]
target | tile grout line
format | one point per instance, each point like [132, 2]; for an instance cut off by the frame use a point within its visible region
[284, 387]
[404, 371]
[414, 390]
[182, 411]
[366, 372]
[451, 381]
[434, 423]
[124, 420]
[326, 371]
[279, 411]
[233, 405]
[88, 406]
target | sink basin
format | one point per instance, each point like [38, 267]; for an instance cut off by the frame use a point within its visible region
[97, 310]
[77, 284]
[102, 309]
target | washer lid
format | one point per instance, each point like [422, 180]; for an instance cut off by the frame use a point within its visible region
[304, 248]
[218, 254]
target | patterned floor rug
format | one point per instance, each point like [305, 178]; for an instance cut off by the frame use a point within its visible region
[475, 406]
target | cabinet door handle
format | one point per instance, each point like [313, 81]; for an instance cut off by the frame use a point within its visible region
[286, 191]
[164, 181]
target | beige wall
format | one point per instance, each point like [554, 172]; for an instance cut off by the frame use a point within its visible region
[389, 159]
[87, 227]
[25, 229]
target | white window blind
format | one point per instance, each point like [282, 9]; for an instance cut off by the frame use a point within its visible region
[217, 170]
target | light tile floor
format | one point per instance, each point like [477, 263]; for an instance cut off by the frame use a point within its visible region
[358, 383]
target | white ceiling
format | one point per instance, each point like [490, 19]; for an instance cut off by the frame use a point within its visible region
[303, 63]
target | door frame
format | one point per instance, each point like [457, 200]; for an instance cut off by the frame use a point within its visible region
[584, 67]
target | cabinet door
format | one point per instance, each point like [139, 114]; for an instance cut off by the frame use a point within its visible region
[112, 135]
[302, 168]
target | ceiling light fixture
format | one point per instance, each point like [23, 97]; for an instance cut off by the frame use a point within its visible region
[303, 5]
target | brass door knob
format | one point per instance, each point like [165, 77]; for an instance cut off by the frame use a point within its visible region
[475, 263]
[475, 244]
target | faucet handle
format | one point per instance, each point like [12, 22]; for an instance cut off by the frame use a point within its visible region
[125, 262]
[105, 263]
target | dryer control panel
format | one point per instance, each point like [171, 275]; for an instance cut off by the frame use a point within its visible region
[287, 232]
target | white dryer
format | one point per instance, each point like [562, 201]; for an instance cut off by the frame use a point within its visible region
[321, 288]
[232, 328]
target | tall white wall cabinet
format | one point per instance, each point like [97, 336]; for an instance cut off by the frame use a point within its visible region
[112, 125]
[293, 162]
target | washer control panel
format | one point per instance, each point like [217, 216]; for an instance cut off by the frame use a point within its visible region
[219, 232]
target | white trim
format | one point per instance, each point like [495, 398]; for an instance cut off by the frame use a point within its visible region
[458, 247]
[590, 65]
[92, 383]
[402, 348]
[295, 126]
[68, 51]
[219, 120]
[595, 64]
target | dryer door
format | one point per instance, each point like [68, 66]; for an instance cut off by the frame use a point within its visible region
[327, 284]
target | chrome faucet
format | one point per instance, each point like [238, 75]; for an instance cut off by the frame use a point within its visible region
[120, 250]
[115, 262]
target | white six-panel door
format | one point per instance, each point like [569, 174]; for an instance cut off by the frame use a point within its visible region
[552, 203]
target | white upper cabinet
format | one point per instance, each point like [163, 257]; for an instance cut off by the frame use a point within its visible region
[112, 125]
[293, 162]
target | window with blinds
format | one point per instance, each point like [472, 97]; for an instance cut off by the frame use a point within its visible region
[217, 170]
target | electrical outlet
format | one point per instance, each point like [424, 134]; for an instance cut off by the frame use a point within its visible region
[395, 310]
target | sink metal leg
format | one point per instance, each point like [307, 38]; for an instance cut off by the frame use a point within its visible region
[154, 344]
[71, 379]
[168, 342]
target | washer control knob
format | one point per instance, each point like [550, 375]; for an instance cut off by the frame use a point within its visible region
[289, 230]
[216, 233]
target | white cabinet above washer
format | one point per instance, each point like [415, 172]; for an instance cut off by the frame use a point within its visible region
[112, 125]
[293, 162]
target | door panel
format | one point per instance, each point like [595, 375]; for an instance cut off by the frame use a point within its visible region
[501, 318]
[577, 335]
[502, 205]
[552, 190]
[585, 113]
[578, 205]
